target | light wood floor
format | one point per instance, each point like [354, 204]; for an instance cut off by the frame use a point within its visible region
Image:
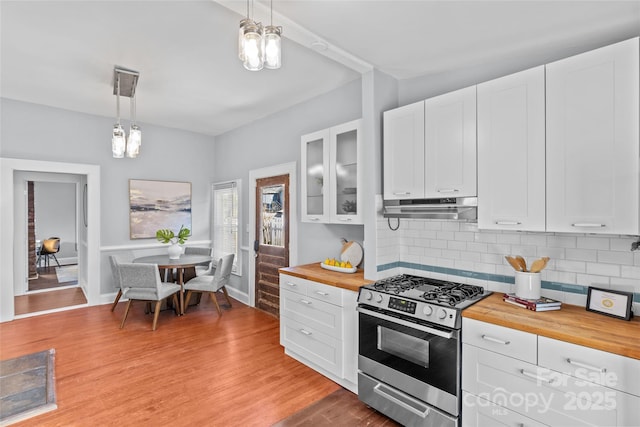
[50, 300]
[195, 370]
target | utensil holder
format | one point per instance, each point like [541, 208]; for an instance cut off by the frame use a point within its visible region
[528, 285]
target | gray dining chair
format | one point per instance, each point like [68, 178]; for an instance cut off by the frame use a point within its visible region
[212, 283]
[115, 260]
[204, 268]
[142, 282]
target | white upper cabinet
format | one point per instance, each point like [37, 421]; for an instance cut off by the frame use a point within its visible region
[332, 175]
[315, 173]
[450, 144]
[511, 152]
[403, 152]
[592, 156]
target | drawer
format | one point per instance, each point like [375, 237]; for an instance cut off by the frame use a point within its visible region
[326, 293]
[308, 311]
[318, 348]
[544, 395]
[295, 284]
[510, 342]
[607, 369]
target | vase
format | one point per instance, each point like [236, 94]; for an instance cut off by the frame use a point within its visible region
[174, 251]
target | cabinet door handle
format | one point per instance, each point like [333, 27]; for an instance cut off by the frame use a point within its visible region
[304, 301]
[586, 366]
[588, 225]
[401, 193]
[407, 402]
[293, 285]
[535, 377]
[496, 340]
[345, 219]
[448, 190]
[304, 331]
[324, 294]
[508, 223]
[314, 219]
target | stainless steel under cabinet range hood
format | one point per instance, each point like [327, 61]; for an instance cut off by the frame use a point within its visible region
[454, 208]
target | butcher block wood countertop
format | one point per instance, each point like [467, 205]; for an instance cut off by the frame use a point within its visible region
[350, 281]
[571, 323]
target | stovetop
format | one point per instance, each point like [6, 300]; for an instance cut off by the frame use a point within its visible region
[422, 298]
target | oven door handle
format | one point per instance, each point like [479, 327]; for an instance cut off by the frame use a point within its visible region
[421, 410]
[406, 323]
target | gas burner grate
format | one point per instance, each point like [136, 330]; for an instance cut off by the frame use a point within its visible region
[453, 293]
[398, 284]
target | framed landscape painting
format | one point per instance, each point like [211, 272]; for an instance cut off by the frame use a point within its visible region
[158, 204]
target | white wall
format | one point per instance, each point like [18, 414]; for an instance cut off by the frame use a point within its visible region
[36, 132]
[55, 215]
[275, 140]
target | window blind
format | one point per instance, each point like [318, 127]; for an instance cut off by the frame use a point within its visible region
[226, 222]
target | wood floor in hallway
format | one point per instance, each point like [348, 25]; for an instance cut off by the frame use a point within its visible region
[199, 369]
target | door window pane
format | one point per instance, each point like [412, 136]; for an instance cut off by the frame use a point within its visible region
[272, 217]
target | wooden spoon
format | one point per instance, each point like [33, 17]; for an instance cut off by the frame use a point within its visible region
[522, 262]
[514, 263]
[539, 264]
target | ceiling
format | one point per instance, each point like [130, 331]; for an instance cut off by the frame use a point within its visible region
[62, 53]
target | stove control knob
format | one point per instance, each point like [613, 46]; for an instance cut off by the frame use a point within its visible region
[379, 298]
[442, 314]
[427, 310]
[368, 295]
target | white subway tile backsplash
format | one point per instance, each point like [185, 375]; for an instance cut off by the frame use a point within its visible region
[581, 254]
[576, 259]
[609, 257]
[575, 299]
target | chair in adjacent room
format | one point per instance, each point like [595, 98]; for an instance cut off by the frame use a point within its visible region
[212, 283]
[204, 268]
[115, 260]
[50, 247]
[142, 282]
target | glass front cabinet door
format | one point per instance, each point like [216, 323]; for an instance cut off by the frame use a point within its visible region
[332, 175]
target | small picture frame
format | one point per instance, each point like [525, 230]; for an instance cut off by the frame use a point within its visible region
[610, 303]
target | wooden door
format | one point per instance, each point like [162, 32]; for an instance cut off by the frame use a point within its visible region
[272, 240]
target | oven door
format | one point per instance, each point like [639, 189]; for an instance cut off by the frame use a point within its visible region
[420, 360]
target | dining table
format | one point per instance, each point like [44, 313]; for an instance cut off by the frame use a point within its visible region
[182, 265]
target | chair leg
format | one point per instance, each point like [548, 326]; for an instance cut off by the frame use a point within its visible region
[126, 313]
[155, 315]
[187, 298]
[226, 295]
[176, 305]
[147, 308]
[215, 301]
[54, 257]
[113, 307]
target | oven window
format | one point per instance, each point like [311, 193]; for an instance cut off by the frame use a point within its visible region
[408, 347]
[426, 357]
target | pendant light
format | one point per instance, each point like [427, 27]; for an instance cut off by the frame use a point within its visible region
[118, 141]
[124, 83]
[272, 42]
[259, 46]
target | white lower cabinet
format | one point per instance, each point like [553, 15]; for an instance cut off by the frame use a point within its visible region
[500, 388]
[318, 327]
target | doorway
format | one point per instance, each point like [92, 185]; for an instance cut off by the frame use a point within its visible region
[255, 204]
[272, 240]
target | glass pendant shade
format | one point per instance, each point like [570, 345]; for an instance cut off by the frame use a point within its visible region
[241, 39]
[272, 50]
[118, 141]
[134, 142]
[253, 44]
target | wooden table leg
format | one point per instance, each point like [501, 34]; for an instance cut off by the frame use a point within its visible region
[181, 282]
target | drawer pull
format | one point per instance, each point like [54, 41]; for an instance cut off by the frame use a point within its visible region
[304, 301]
[293, 285]
[584, 365]
[313, 218]
[535, 377]
[508, 223]
[448, 190]
[304, 331]
[588, 225]
[324, 294]
[496, 340]
[401, 193]
[345, 219]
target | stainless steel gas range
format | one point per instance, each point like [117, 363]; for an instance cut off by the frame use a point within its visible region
[409, 348]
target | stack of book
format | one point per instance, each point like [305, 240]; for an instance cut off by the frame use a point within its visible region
[541, 304]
